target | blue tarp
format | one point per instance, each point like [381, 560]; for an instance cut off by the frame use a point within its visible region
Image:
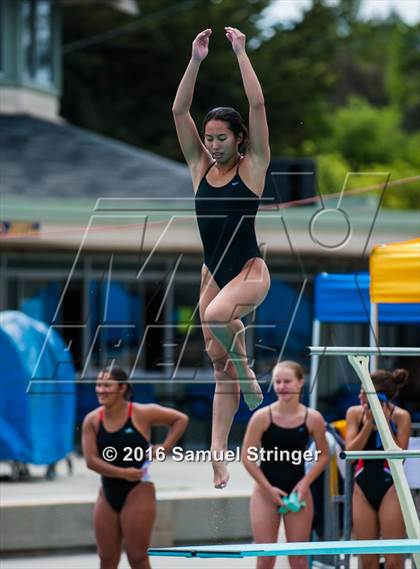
[36, 419]
[273, 320]
[274, 317]
[345, 298]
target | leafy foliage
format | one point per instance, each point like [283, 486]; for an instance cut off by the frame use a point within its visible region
[337, 88]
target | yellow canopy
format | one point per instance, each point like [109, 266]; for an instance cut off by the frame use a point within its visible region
[395, 272]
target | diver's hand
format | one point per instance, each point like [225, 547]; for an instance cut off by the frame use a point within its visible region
[200, 46]
[236, 38]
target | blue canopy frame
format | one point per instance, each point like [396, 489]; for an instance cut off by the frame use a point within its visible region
[344, 298]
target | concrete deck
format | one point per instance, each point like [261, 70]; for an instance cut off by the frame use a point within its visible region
[43, 515]
[44, 524]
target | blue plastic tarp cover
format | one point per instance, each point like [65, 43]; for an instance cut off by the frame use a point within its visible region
[38, 391]
[345, 298]
[284, 314]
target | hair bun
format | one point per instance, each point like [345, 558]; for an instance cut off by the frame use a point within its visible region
[399, 376]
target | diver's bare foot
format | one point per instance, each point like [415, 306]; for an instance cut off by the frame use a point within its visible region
[221, 475]
[252, 391]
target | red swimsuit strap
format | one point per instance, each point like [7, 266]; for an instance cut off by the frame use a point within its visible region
[359, 466]
[130, 408]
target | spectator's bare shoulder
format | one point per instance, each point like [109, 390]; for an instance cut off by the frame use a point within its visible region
[258, 424]
[314, 419]
[260, 419]
[92, 418]
[354, 412]
[401, 415]
[146, 409]
[159, 414]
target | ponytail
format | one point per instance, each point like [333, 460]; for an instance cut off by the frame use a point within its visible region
[389, 382]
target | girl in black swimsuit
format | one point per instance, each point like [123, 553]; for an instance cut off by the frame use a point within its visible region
[285, 425]
[115, 440]
[376, 508]
[228, 171]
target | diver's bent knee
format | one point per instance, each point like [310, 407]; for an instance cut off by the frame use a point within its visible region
[216, 315]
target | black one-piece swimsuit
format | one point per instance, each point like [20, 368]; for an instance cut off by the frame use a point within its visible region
[374, 477]
[226, 221]
[116, 490]
[284, 475]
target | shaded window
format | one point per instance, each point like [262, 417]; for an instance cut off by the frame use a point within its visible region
[290, 179]
[37, 40]
[38, 299]
[116, 312]
[188, 337]
[284, 322]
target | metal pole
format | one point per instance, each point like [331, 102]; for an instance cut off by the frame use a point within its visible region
[328, 514]
[361, 351]
[86, 312]
[313, 384]
[380, 454]
[373, 335]
[347, 514]
[168, 339]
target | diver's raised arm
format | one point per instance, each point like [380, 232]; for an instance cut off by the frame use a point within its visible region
[258, 129]
[188, 136]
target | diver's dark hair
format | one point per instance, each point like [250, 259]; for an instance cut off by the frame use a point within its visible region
[234, 120]
[120, 375]
[389, 382]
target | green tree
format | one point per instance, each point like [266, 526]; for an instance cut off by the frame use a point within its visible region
[403, 77]
[365, 134]
[339, 89]
[370, 139]
[297, 76]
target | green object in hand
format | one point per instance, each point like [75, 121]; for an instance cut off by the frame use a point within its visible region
[291, 503]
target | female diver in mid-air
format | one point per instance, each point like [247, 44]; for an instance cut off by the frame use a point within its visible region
[228, 173]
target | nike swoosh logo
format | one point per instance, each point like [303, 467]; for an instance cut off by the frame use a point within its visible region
[235, 183]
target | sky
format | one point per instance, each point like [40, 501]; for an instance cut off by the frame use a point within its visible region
[286, 10]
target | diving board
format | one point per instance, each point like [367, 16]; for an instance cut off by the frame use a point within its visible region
[385, 546]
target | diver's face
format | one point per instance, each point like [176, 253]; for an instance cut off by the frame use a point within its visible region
[220, 141]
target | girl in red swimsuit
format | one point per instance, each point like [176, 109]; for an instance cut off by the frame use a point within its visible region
[376, 508]
[115, 440]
